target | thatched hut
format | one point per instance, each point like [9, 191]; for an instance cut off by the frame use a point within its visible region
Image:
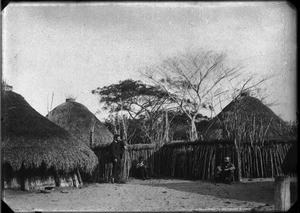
[81, 123]
[36, 152]
[250, 120]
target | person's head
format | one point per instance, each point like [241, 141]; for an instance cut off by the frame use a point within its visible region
[141, 158]
[117, 137]
[227, 159]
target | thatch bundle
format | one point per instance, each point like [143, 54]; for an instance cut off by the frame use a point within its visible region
[29, 140]
[249, 120]
[81, 123]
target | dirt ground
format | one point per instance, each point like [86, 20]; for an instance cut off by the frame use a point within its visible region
[151, 195]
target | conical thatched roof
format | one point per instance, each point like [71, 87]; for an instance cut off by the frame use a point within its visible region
[30, 139]
[79, 121]
[250, 116]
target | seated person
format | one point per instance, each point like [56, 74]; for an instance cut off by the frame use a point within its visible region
[225, 172]
[142, 168]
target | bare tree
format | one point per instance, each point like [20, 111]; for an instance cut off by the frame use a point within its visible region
[198, 81]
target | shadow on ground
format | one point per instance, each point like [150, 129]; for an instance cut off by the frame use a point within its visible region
[262, 192]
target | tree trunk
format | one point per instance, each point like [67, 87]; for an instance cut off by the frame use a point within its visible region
[194, 134]
[124, 128]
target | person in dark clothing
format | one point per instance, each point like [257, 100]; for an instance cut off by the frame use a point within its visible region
[117, 148]
[225, 172]
[142, 168]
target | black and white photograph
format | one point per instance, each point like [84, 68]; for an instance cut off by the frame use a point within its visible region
[149, 106]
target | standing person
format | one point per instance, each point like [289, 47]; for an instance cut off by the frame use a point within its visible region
[225, 172]
[117, 148]
[142, 168]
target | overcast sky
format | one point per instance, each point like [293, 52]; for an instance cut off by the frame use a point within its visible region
[70, 49]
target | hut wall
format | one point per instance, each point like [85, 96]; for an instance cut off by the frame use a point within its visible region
[198, 160]
[39, 182]
[102, 173]
[26, 181]
[13, 183]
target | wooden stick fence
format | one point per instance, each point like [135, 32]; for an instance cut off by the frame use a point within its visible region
[103, 171]
[198, 160]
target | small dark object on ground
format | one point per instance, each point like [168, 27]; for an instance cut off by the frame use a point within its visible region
[49, 188]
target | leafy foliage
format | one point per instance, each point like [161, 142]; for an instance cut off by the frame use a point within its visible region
[132, 96]
[144, 104]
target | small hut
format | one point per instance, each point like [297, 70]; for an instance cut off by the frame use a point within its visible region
[84, 125]
[81, 123]
[36, 152]
[251, 119]
[260, 137]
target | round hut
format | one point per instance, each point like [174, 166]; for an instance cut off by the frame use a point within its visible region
[36, 152]
[249, 119]
[84, 125]
[81, 123]
[257, 139]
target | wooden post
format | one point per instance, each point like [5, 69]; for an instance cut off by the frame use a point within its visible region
[238, 158]
[75, 180]
[79, 178]
[92, 132]
[282, 198]
[167, 128]
[57, 178]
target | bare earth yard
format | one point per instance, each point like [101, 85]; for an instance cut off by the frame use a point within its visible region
[152, 195]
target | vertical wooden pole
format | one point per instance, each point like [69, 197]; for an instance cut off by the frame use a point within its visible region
[75, 180]
[79, 178]
[282, 198]
[238, 157]
[166, 128]
[92, 132]
[57, 178]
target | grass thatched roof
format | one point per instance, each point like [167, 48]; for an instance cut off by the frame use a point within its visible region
[79, 121]
[249, 116]
[30, 139]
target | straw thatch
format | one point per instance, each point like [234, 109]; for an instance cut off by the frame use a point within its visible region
[29, 140]
[81, 123]
[248, 116]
